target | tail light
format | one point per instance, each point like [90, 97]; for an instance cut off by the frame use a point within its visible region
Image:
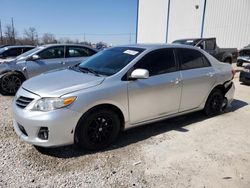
[233, 73]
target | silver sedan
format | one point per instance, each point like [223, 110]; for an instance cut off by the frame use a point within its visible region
[119, 88]
[39, 60]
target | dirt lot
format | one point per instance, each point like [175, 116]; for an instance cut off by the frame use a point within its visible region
[188, 151]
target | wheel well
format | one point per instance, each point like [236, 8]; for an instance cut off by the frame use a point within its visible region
[16, 72]
[228, 58]
[21, 75]
[112, 107]
[221, 88]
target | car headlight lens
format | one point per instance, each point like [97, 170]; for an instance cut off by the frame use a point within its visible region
[48, 104]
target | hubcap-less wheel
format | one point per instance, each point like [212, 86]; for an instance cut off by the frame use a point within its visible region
[10, 84]
[215, 103]
[97, 129]
[100, 129]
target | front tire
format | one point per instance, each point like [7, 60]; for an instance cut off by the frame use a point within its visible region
[97, 129]
[10, 83]
[214, 104]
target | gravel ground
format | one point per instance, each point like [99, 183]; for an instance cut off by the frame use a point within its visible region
[187, 151]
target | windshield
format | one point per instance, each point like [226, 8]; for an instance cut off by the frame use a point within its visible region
[111, 61]
[22, 56]
[3, 50]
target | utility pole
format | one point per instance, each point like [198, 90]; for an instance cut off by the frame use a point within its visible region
[13, 31]
[1, 33]
[84, 37]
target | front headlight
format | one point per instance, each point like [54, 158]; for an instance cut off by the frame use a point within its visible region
[48, 104]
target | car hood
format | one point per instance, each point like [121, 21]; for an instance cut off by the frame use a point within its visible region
[61, 82]
[6, 60]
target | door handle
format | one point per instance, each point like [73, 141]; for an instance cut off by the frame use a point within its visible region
[176, 81]
[210, 74]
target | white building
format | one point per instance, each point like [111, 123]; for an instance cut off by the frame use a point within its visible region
[161, 21]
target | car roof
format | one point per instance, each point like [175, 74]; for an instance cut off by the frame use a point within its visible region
[157, 46]
[194, 39]
[20, 46]
[63, 44]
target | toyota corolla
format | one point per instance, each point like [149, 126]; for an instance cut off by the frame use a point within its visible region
[119, 88]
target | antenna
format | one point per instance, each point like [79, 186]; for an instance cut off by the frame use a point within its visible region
[1, 34]
[13, 31]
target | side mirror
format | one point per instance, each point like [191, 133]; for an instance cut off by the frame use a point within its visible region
[35, 57]
[139, 74]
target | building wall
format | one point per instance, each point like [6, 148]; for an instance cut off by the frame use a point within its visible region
[227, 20]
[152, 21]
[185, 19]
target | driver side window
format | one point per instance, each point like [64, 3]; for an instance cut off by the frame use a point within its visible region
[52, 53]
[158, 62]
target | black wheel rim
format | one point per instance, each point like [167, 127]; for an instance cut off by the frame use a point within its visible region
[100, 130]
[216, 103]
[11, 83]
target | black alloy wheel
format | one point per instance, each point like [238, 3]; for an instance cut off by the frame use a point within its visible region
[215, 103]
[10, 83]
[97, 129]
[100, 129]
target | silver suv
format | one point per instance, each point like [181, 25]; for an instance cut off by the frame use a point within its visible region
[39, 60]
[119, 88]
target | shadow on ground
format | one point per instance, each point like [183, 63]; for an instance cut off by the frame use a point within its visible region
[142, 133]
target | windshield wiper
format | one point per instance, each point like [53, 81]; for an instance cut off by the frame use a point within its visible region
[89, 70]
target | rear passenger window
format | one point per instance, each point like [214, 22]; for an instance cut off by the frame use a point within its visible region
[192, 59]
[26, 49]
[158, 62]
[76, 52]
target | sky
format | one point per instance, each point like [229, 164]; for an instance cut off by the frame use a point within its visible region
[109, 21]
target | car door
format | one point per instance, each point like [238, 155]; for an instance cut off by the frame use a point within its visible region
[159, 95]
[197, 76]
[76, 54]
[49, 59]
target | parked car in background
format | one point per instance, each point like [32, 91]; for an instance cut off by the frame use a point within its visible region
[227, 55]
[119, 88]
[4, 45]
[244, 56]
[245, 75]
[9, 53]
[40, 60]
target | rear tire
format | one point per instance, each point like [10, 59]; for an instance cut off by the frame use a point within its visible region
[10, 83]
[97, 129]
[214, 104]
[228, 60]
[239, 64]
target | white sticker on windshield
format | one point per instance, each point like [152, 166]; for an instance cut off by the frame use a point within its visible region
[189, 41]
[131, 52]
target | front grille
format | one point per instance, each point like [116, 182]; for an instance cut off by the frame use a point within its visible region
[22, 129]
[22, 102]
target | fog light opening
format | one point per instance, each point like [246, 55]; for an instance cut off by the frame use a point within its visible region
[43, 133]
